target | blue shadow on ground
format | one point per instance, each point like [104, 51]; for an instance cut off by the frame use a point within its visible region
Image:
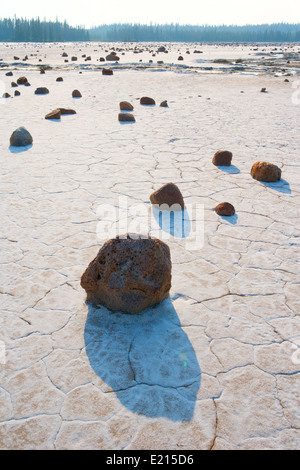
[232, 219]
[14, 149]
[282, 186]
[175, 222]
[147, 360]
[232, 169]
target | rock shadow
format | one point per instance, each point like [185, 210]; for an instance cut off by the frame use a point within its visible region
[282, 186]
[232, 169]
[231, 219]
[175, 222]
[15, 149]
[147, 360]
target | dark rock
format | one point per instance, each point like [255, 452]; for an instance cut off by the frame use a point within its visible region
[264, 171]
[9, 74]
[126, 106]
[22, 80]
[147, 101]
[107, 72]
[130, 273]
[168, 194]
[225, 208]
[59, 79]
[53, 114]
[21, 137]
[13, 84]
[6, 95]
[17, 93]
[76, 94]
[126, 117]
[41, 91]
[222, 158]
[164, 104]
[66, 111]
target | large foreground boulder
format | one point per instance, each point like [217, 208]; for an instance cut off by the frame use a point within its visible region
[21, 137]
[264, 171]
[130, 273]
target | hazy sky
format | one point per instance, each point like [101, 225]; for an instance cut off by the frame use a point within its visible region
[91, 12]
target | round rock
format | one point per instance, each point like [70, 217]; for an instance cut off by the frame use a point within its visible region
[21, 137]
[130, 273]
[222, 158]
[41, 91]
[126, 106]
[267, 172]
[146, 100]
[76, 94]
[225, 208]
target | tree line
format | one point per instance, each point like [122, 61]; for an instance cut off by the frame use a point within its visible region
[36, 30]
[280, 32]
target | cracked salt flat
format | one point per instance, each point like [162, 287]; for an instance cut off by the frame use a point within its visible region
[211, 367]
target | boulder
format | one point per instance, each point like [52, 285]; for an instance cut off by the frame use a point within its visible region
[76, 94]
[126, 106]
[21, 137]
[222, 158]
[146, 100]
[225, 208]
[41, 91]
[126, 117]
[264, 171]
[168, 194]
[129, 274]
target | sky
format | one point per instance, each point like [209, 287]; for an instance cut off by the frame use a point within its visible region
[197, 12]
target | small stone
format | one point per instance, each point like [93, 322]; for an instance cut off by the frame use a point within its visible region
[225, 208]
[146, 100]
[164, 104]
[21, 137]
[41, 91]
[76, 94]
[126, 117]
[107, 72]
[126, 106]
[222, 158]
[9, 74]
[17, 93]
[6, 95]
[129, 274]
[168, 194]
[267, 172]
[13, 84]
[59, 79]
[180, 57]
[53, 114]
[263, 90]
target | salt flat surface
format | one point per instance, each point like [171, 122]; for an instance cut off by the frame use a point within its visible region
[217, 365]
